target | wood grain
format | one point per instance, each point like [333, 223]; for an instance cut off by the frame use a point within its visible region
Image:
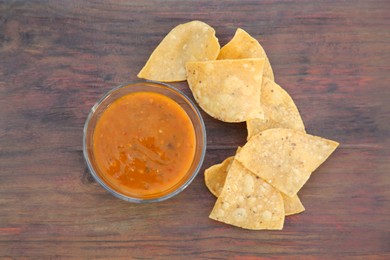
[57, 58]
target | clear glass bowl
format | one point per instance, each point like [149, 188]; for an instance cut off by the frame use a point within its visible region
[148, 86]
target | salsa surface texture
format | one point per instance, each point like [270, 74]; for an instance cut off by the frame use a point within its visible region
[144, 144]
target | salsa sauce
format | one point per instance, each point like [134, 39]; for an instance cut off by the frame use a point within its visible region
[144, 143]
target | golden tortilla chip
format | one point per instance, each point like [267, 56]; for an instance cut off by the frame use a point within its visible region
[215, 176]
[292, 205]
[249, 202]
[227, 90]
[193, 41]
[244, 46]
[279, 109]
[285, 158]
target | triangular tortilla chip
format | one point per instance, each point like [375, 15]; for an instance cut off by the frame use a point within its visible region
[244, 46]
[193, 41]
[285, 158]
[215, 177]
[227, 90]
[249, 202]
[279, 109]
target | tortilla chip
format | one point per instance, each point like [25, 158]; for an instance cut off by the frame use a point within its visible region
[249, 202]
[285, 158]
[193, 41]
[279, 109]
[244, 46]
[292, 205]
[227, 90]
[215, 176]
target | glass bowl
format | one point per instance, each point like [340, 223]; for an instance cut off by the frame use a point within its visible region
[154, 87]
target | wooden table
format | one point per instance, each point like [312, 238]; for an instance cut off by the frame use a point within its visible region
[57, 58]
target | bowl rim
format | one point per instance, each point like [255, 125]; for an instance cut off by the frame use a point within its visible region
[181, 187]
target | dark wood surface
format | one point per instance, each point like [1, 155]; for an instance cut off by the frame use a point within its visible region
[57, 58]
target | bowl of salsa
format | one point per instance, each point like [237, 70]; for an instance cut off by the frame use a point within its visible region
[144, 142]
